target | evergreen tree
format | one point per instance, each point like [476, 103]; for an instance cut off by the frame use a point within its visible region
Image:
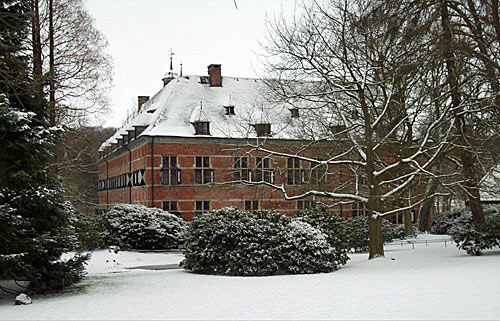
[35, 223]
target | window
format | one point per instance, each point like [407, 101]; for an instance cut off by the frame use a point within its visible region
[362, 180]
[296, 175]
[139, 177]
[336, 129]
[251, 205]
[319, 174]
[171, 207]
[201, 128]
[202, 207]
[295, 112]
[241, 171]
[398, 217]
[203, 174]
[263, 172]
[358, 209]
[204, 80]
[170, 174]
[305, 204]
[229, 110]
[263, 130]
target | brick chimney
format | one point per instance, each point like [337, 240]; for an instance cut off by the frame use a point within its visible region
[140, 101]
[214, 75]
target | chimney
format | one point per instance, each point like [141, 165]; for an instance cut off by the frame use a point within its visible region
[141, 100]
[214, 75]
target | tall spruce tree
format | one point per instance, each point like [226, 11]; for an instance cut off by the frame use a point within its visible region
[35, 223]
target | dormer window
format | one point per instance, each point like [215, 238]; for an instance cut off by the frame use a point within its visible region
[201, 128]
[263, 130]
[295, 112]
[204, 80]
[229, 110]
[336, 129]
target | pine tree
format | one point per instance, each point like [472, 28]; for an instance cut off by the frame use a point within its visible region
[35, 223]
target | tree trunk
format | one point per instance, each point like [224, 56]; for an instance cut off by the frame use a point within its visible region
[462, 129]
[408, 224]
[37, 63]
[424, 215]
[471, 186]
[376, 238]
[52, 88]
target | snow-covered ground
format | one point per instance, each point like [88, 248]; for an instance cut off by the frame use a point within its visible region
[427, 282]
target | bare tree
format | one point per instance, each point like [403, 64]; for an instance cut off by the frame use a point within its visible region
[74, 63]
[470, 50]
[358, 70]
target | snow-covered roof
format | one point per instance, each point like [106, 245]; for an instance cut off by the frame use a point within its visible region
[185, 99]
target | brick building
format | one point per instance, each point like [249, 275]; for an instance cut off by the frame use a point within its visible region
[188, 150]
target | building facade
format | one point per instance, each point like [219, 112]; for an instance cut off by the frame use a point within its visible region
[192, 148]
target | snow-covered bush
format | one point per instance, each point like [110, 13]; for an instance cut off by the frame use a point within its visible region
[399, 232]
[443, 222]
[358, 233]
[139, 227]
[232, 242]
[332, 225]
[307, 250]
[89, 229]
[474, 242]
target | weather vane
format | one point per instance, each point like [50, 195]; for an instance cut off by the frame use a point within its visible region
[171, 55]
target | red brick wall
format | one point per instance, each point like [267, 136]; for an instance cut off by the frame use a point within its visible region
[220, 194]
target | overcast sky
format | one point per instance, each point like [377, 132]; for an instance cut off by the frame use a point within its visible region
[200, 32]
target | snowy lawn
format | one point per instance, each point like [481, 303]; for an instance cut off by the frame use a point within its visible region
[428, 282]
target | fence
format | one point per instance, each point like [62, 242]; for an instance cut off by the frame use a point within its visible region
[426, 242]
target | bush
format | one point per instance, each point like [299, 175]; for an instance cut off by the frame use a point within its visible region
[88, 229]
[232, 242]
[443, 222]
[399, 232]
[358, 233]
[332, 225]
[307, 250]
[474, 242]
[139, 227]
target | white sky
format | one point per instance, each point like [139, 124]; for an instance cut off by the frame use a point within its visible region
[200, 32]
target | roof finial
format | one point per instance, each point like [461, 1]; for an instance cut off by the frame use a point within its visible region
[181, 68]
[201, 105]
[171, 55]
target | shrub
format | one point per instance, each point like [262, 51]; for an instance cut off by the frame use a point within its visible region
[443, 222]
[332, 225]
[388, 233]
[358, 233]
[474, 242]
[399, 232]
[307, 250]
[88, 229]
[139, 227]
[232, 242]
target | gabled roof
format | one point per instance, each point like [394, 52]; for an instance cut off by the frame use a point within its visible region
[184, 99]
